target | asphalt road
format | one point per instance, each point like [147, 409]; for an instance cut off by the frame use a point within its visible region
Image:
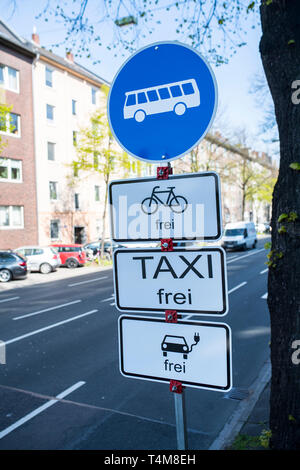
[61, 387]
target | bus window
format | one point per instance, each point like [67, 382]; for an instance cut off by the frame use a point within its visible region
[188, 89]
[175, 90]
[142, 98]
[152, 95]
[130, 100]
[164, 93]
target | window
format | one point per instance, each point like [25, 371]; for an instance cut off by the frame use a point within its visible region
[175, 90]
[9, 78]
[97, 193]
[50, 112]
[37, 251]
[53, 190]
[10, 124]
[49, 77]
[164, 93]
[152, 95]
[74, 137]
[142, 98]
[130, 100]
[51, 150]
[10, 170]
[76, 200]
[93, 96]
[54, 229]
[74, 107]
[11, 217]
[188, 89]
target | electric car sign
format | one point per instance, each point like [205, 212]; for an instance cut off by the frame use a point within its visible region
[197, 354]
[182, 207]
[191, 281]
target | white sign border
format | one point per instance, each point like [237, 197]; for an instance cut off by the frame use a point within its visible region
[165, 380]
[162, 160]
[171, 177]
[162, 310]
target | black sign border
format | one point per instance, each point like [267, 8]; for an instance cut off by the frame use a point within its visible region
[162, 379]
[223, 312]
[171, 177]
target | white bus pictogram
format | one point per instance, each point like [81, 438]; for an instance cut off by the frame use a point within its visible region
[176, 96]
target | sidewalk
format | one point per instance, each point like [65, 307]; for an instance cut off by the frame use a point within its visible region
[248, 427]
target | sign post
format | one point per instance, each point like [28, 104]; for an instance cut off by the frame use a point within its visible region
[161, 104]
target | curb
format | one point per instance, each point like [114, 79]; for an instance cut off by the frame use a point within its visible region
[243, 411]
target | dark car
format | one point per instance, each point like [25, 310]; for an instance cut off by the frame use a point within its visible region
[12, 266]
[95, 247]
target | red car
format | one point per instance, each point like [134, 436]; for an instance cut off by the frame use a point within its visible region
[71, 255]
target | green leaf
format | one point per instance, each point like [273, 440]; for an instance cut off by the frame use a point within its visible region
[291, 41]
[295, 166]
[282, 217]
[293, 216]
[267, 245]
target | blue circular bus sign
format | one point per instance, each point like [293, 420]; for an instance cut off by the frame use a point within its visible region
[162, 102]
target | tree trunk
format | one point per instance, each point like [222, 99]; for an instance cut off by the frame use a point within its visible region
[104, 217]
[280, 53]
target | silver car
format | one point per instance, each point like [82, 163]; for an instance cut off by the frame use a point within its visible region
[40, 258]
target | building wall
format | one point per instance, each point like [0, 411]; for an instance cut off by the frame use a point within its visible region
[66, 88]
[21, 148]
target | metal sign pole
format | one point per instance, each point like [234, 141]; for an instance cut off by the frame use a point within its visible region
[180, 413]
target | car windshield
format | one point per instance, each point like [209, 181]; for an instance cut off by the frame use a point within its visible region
[232, 232]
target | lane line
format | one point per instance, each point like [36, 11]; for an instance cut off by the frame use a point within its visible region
[265, 296]
[264, 271]
[245, 256]
[85, 282]
[114, 303]
[9, 299]
[237, 287]
[106, 300]
[47, 310]
[39, 410]
[40, 330]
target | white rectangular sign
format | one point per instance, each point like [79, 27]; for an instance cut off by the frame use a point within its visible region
[198, 354]
[183, 207]
[152, 280]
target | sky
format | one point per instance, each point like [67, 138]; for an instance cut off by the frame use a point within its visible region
[237, 107]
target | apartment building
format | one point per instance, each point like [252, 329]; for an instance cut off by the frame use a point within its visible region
[18, 198]
[65, 96]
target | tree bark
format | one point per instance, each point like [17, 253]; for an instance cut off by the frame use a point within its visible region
[280, 53]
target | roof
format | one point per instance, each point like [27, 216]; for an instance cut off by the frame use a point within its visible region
[11, 39]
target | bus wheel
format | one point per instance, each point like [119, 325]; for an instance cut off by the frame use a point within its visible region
[139, 115]
[180, 109]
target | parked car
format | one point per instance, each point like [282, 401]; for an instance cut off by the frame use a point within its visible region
[94, 248]
[263, 227]
[72, 255]
[40, 258]
[12, 266]
[239, 235]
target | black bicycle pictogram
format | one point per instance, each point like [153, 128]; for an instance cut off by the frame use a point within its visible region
[177, 204]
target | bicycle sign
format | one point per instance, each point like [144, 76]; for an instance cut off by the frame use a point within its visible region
[177, 204]
[184, 207]
[162, 102]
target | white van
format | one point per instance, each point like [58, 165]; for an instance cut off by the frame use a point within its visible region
[239, 235]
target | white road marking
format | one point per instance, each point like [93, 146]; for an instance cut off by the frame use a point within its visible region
[39, 410]
[237, 287]
[18, 338]
[114, 303]
[85, 282]
[47, 310]
[9, 299]
[265, 296]
[245, 256]
[264, 271]
[106, 300]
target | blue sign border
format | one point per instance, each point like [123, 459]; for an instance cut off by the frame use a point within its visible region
[162, 159]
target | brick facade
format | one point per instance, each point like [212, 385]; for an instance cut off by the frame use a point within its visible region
[21, 148]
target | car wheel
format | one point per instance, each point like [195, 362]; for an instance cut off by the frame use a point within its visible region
[71, 263]
[5, 275]
[45, 268]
